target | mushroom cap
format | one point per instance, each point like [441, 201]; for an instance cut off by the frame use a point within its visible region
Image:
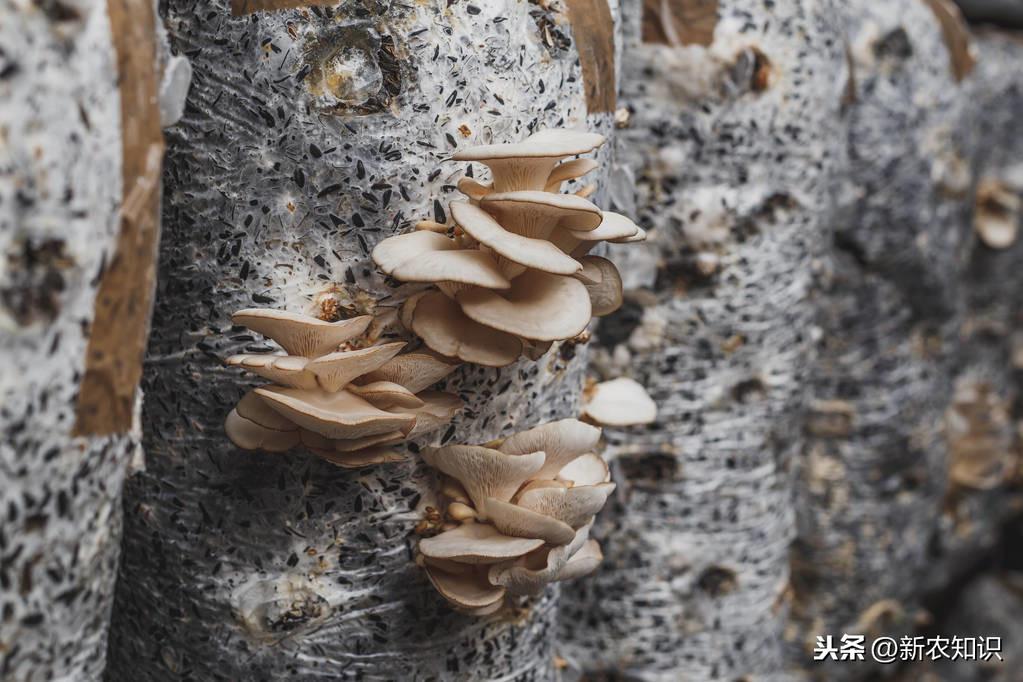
[590, 469]
[550, 143]
[613, 226]
[619, 402]
[301, 335]
[539, 254]
[360, 458]
[476, 543]
[468, 588]
[574, 506]
[531, 573]
[640, 236]
[442, 325]
[539, 306]
[605, 290]
[473, 189]
[567, 211]
[338, 415]
[415, 371]
[484, 472]
[569, 170]
[512, 519]
[287, 370]
[562, 441]
[437, 410]
[250, 435]
[386, 395]
[583, 562]
[252, 425]
[315, 441]
[431, 257]
[334, 371]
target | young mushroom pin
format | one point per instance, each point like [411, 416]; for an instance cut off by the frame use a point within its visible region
[514, 275]
[523, 509]
[343, 402]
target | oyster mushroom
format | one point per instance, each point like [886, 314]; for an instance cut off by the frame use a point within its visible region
[521, 528]
[301, 335]
[619, 402]
[528, 164]
[508, 276]
[341, 405]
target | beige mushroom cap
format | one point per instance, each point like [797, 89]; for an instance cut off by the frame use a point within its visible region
[997, 214]
[361, 458]
[574, 506]
[566, 211]
[614, 226]
[316, 442]
[430, 257]
[530, 574]
[338, 415]
[473, 189]
[484, 472]
[583, 562]
[619, 402]
[437, 410]
[386, 395]
[287, 370]
[301, 335]
[603, 285]
[562, 441]
[539, 306]
[569, 170]
[415, 371]
[550, 143]
[467, 589]
[442, 325]
[515, 520]
[476, 543]
[589, 469]
[252, 425]
[539, 254]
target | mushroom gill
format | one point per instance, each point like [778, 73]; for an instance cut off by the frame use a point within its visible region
[345, 404]
[511, 274]
[521, 509]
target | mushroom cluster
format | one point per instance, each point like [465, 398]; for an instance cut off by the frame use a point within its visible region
[519, 514]
[342, 401]
[512, 273]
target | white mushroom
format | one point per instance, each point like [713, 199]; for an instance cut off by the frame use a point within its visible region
[476, 543]
[562, 441]
[473, 189]
[619, 402]
[538, 306]
[301, 335]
